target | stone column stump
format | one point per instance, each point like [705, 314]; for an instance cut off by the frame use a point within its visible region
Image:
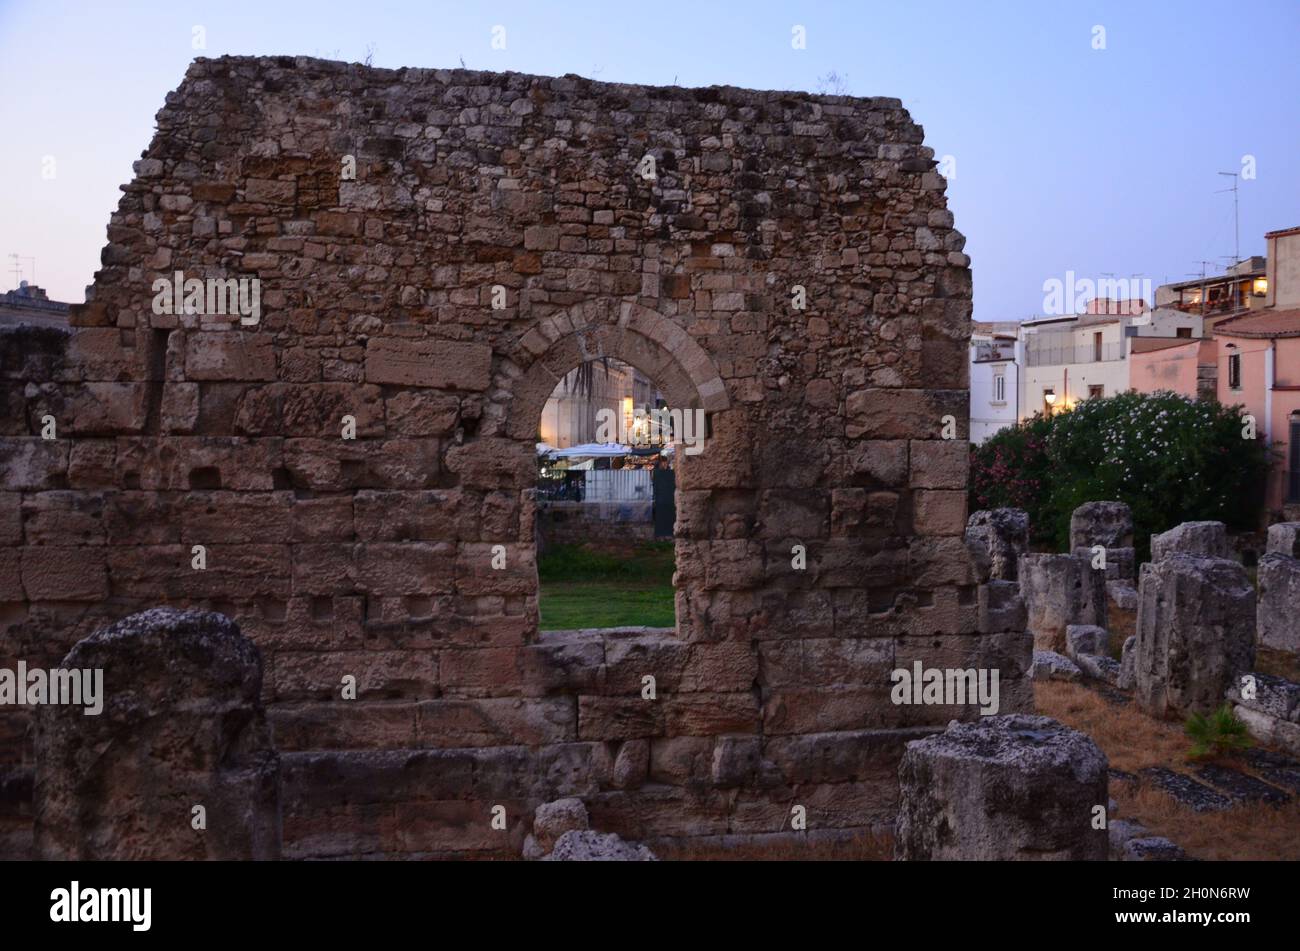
[1195, 633]
[1011, 787]
[182, 726]
[1060, 590]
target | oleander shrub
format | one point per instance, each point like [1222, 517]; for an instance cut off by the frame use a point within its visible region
[1170, 458]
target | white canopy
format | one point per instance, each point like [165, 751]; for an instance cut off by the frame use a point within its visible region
[594, 450]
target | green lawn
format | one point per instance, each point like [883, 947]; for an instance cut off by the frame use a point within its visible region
[583, 587]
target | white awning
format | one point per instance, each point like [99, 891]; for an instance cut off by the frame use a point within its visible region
[595, 450]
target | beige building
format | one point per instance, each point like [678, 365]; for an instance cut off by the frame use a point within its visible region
[1241, 287]
[29, 304]
[570, 416]
[1282, 274]
[1073, 358]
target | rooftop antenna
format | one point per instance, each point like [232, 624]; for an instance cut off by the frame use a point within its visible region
[1236, 228]
[17, 267]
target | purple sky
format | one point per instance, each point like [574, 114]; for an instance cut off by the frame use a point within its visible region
[1068, 158]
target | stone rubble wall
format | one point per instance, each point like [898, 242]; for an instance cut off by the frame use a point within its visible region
[600, 523]
[371, 557]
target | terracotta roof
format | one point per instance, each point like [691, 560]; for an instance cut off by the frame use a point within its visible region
[1264, 323]
[1147, 344]
[1282, 231]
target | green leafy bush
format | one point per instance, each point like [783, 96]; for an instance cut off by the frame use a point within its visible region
[1216, 735]
[1170, 458]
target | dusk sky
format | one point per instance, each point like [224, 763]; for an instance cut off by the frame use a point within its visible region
[1068, 158]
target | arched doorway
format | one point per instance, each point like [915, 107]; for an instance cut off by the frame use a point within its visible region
[682, 377]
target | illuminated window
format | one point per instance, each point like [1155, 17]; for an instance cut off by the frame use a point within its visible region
[1260, 287]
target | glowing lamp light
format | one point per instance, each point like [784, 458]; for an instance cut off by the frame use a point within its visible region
[1050, 398]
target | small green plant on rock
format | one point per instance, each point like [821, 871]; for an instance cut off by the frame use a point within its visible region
[1216, 735]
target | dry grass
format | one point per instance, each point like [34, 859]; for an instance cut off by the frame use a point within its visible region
[1131, 741]
[1284, 664]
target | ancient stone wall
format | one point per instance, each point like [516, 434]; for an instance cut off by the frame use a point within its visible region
[599, 523]
[371, 557]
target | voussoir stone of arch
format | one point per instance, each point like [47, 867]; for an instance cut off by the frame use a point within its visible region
[665, 353]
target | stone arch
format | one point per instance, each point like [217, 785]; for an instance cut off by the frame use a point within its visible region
[632, 333]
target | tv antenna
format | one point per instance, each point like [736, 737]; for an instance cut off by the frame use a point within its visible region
[1236, 227]
[17, 267]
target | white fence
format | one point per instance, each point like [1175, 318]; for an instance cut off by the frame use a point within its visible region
[617, 485]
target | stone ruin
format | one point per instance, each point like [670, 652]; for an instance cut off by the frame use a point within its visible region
[1196, 633]
[180, 762]
[434, 250]
[1279, 590]
[1009, 788]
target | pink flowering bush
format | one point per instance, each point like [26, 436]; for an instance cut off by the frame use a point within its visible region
[1172, 459]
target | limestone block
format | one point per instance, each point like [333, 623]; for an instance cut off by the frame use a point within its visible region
[1049, 665]
[1279, 601]
[1195, 631]
[229, 355]
[1128, 664]
[1109, 524]
[182, 726]
[1284, 539]
[996, 540]
[1192, 538]
[440, 364]
[590, 846]
[1003, 788]
[1060, 590]
[551, 820]
[1085, 639]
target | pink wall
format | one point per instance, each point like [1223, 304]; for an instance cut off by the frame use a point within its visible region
[1252, 395]
[1173, 368]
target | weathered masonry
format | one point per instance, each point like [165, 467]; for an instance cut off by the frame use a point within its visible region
[435, 249]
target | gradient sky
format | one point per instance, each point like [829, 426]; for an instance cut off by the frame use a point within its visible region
[1067, 158]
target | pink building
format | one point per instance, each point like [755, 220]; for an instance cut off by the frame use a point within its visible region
[1179, 364]
[1259, 366]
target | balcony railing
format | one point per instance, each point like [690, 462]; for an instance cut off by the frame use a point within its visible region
[1085, 353]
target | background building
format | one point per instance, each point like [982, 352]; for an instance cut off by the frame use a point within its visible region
[569, 417]
[29, 304]
[994, 377]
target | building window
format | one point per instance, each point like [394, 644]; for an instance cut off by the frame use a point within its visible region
[1183, 332]
[1049, 398]
[1096, 390]
[1234, 371]
[1000, 388]
[1096, 347]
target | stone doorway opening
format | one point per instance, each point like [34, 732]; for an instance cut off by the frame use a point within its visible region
[607, 446]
